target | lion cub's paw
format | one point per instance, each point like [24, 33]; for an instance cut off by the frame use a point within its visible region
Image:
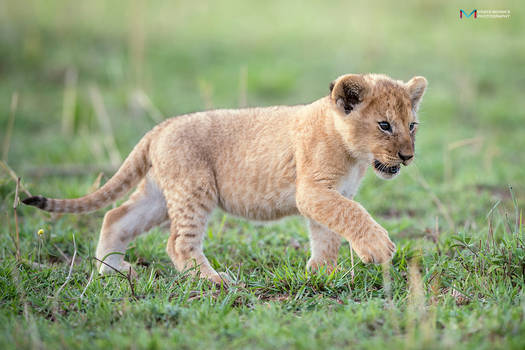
[374, 246]
[218, 278]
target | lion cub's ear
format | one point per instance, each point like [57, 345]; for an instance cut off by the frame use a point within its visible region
[348, 91]
[416, 89]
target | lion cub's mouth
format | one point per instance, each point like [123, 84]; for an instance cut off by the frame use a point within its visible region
[385, 169]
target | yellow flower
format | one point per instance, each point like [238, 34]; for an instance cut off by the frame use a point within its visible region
[40, 232]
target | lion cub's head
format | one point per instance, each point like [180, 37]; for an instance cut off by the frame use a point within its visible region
[376, 117]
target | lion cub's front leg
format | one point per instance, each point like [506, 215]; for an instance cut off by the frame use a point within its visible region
[324, 245]
[347, 218]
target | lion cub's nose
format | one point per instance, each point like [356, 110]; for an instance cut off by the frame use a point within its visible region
[405, 157]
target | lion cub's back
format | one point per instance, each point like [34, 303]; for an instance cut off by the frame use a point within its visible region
[249, 151]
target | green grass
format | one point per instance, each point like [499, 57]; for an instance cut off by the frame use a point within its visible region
[457, 278]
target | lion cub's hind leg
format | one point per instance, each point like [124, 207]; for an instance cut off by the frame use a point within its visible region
[324, 245]
[190, 202]
[145, 209]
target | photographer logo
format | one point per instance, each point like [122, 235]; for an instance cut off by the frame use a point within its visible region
[463, 13]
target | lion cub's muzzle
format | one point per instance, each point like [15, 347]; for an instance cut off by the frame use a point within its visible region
[383, 168]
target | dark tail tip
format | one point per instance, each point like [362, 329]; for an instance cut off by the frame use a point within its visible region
[36, 201]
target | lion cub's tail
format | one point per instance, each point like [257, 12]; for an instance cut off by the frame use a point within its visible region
[130, 173]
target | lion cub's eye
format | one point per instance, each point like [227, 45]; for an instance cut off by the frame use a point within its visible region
[412, 126]
[385, 126]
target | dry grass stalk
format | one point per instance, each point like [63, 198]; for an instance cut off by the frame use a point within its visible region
[477, 142]
[69, 101]
[87, 285]
[441, 207]
[387, 284]
[95, 186]
[206, 91]
[66, 258]
[68, 278]
[416, 295]
[8, 221]
[416, 311]
[95, 146]
[145, 103]
[352, 271]
[105, 124]
[243, 86]
[517, 216]
[436, 234]
[9, 128]
[14, 176]
[17, 231]
[137, 39]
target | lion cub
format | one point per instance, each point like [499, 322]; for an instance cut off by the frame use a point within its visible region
[262, 164]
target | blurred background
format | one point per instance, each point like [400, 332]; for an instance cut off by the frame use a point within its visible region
[81, 82]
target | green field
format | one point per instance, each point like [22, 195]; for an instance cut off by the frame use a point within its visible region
[81, 82]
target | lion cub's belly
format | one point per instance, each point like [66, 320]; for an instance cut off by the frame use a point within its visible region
[263, 206]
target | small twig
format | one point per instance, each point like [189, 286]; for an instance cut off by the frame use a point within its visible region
[127, 277]
[111, 267]
[15, 205]
[432, 277]
[70, 268]
[9, 128]
[66, 258]
[14, 176]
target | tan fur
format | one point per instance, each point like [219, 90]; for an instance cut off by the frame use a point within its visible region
[262, 164]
